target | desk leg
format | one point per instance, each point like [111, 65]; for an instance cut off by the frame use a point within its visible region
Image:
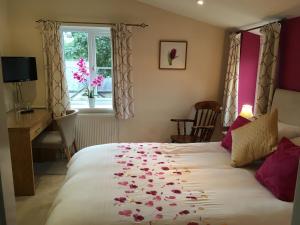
[22, 163]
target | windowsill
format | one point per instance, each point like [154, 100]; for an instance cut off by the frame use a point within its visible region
[102, 111]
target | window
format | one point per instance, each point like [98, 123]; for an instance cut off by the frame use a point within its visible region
[88, 66]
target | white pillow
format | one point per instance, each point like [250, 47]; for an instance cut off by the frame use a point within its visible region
[296, 141]
[288, 131]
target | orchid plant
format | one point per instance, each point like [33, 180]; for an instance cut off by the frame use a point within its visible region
[82, 74]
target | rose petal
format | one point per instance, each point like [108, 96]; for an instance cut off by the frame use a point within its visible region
[138, 218]
[120, 199]
[159, 216]
[159, 208]
[184, 212]
[149, 203]
[123, 183]
[176, 191]
[125, 213]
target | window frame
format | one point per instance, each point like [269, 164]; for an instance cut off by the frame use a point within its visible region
[93, 32]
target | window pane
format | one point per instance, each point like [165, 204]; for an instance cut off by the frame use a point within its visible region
[83, 80]
[76, 48]
[75, 45]
[103, 52]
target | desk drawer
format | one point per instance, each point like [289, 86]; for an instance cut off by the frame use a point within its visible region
[38, 128]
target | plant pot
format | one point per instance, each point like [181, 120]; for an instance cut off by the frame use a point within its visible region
[92, 102]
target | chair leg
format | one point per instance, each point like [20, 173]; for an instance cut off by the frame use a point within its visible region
[67, 153]
[75, 147]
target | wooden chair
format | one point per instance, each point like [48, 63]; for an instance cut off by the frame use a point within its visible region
[203, 126]
[63, 138]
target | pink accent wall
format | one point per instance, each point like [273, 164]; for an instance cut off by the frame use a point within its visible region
[289, 66]
[250, 47]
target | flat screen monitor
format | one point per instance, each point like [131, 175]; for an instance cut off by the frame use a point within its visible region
[18, 69]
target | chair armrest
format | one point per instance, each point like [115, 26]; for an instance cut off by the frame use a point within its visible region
[203, 127]
[182, 120]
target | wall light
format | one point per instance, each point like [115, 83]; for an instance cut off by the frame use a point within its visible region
[200, 2]
[246, 111]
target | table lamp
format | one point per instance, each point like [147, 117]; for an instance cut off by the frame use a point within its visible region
[246, 111]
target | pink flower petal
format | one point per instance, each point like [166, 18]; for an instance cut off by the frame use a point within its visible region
[157, 198]
[120, 199]
[178, 173]
[123, 183]
[125, 213]
[151, 192]
[184, 212]
[159, 216]
[176, 191]
[170, 197]
[191, 197]
[138, 218]
[149, 203]
[133, 186]
[119, 174]
[159, 208]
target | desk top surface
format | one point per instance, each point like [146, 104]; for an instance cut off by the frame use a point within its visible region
[17, 120]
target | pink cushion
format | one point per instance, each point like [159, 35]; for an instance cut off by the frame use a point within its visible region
[279, 172]
[227, 140]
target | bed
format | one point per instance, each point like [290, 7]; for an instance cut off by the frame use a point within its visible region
[162, 184]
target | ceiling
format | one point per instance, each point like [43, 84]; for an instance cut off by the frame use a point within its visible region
[231, 13]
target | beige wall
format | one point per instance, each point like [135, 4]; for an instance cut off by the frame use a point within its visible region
[159, 95]
[5, 162]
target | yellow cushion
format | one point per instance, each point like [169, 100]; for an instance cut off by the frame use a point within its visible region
[255, 140]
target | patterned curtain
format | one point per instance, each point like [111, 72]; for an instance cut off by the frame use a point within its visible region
[267, 76]
[230, 101]
[123, 86]
[57, 93]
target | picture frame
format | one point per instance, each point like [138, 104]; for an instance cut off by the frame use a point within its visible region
[172, 55]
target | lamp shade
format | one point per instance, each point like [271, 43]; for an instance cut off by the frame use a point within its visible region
[246, 111]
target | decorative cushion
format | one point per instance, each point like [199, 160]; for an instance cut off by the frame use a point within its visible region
[254, 140]
[279, 172]
[227, 140]
[288, 131]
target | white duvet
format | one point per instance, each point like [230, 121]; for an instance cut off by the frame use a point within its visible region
[191, 184]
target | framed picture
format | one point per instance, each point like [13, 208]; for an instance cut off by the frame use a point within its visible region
[172, 55]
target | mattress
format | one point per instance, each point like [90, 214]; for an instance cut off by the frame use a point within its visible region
[151, 183]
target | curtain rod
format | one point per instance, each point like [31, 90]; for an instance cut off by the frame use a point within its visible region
[257, 27]
[143, 25]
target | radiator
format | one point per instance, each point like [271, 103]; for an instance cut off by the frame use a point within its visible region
[95, 129]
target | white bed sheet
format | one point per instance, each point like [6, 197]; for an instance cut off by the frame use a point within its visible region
[224, 195]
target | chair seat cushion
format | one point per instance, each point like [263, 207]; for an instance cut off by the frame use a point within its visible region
[48, 140]
[184, 138]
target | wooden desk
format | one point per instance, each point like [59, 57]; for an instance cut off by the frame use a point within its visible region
[22, 129]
